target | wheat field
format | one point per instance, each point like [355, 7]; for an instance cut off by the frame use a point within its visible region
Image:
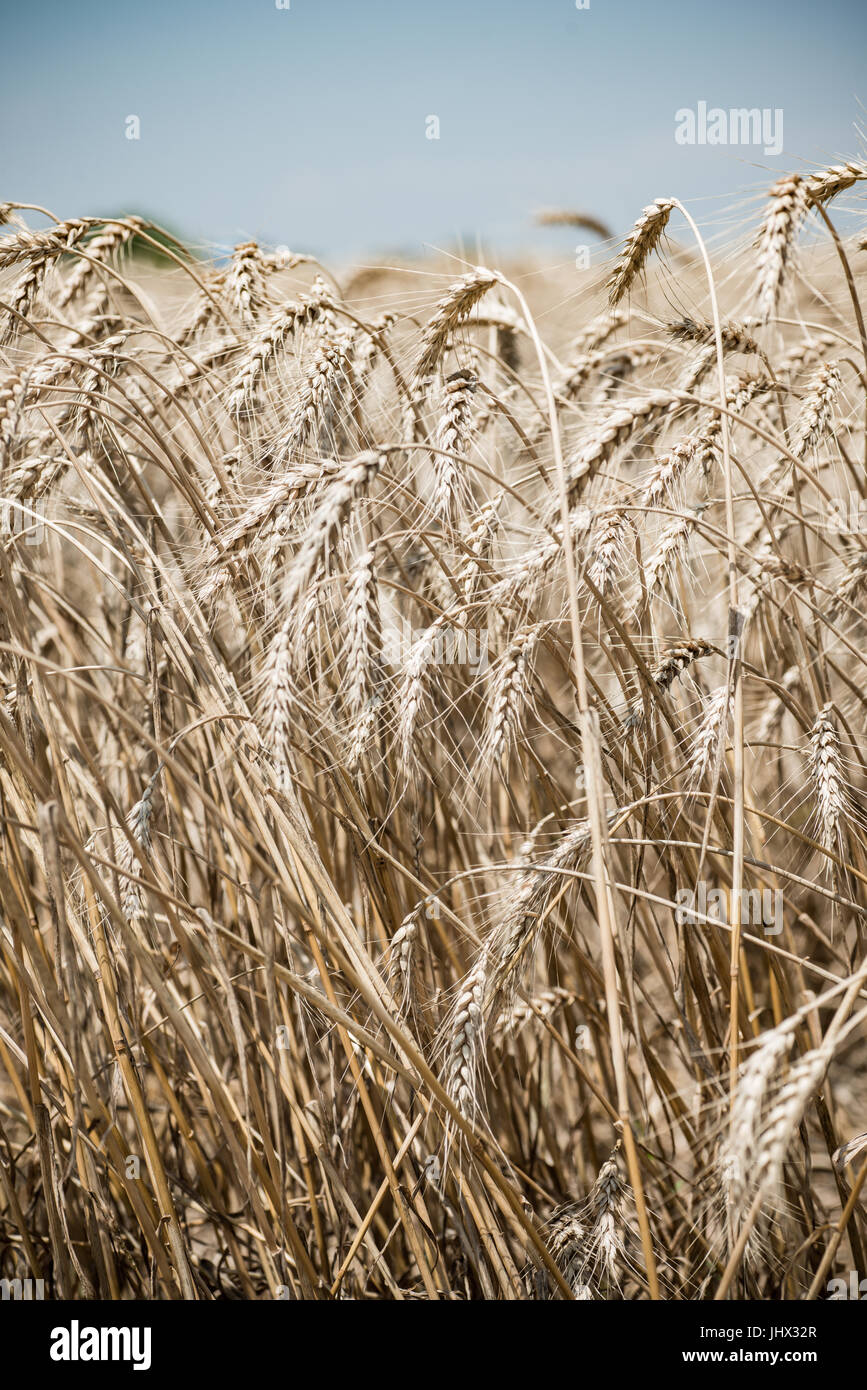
[432, 764]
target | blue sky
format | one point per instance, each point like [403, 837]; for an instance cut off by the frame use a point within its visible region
[306, 126]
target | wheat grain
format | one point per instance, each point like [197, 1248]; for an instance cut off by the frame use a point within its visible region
[641, 242]
[777, 242]
[456, 304]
